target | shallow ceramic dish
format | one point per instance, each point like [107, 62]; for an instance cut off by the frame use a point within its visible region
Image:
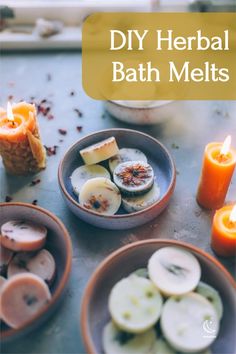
[138, 113]
[58, 243]
[158, 157]
[94, 310]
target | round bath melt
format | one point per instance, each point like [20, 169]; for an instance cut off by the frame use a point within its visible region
[22, 297]
[40, 263]
[133, 204]
[99, 152]
[126, 154]
[135, 304]
[134, 178]
[116, 341]
[20, 235]
[211, 295]
[101, 196]
[83, 173]
[174, 271]
[189, 322]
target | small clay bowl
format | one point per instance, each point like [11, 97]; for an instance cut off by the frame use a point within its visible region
[94, 308]
[58, 243]
[140, 113]
[158, 157]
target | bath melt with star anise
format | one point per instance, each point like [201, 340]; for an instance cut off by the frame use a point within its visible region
[130, 182]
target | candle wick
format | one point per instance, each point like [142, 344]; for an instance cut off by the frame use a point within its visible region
[231, 224]
[11, 121]
[222, 157]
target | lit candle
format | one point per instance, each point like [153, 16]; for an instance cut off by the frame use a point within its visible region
[21, 149]
[10, 115]
[218, 166]
[223, 240]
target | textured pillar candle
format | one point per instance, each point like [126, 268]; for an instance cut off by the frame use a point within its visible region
[21, 148]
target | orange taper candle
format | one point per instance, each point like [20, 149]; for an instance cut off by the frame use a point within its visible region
[21, 148]
[218, 166]
[223, 240]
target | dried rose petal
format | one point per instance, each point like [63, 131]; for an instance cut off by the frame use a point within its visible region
[8, 199]
[34, 182]
[51, 150]
[62, 131]
[79, 128]
[80, 114]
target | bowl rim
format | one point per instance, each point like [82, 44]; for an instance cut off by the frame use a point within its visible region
[154, 106]
[66, 273]
[119, 216]
[96, 275]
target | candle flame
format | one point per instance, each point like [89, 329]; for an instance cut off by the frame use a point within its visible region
[10, 115]
[232, 217]
[226, 146]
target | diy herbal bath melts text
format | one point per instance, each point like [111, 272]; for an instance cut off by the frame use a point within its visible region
[148, 73]
[166, 40]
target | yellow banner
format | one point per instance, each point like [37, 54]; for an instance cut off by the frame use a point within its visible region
[160, 56]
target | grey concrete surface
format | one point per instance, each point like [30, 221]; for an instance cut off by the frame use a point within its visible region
[187, 128]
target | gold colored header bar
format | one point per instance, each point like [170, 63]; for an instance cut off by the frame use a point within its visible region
[160, 56]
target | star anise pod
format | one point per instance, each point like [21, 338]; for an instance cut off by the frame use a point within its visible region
[135, 175]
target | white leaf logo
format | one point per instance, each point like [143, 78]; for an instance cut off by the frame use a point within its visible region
[208, 327]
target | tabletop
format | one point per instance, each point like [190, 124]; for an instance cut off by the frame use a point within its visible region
[186, 128]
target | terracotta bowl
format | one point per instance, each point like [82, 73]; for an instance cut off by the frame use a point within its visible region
[94, 314]
[58, 243]
[158, 157]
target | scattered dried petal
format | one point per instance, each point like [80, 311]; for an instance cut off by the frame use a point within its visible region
[79, 128]
[10, 97]
[44, 107]
[80, 114]
[72, 93]
[34, 182]
[174, 146]
[35, 202]
[62, 131]
[8, 199]
[51, 150]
